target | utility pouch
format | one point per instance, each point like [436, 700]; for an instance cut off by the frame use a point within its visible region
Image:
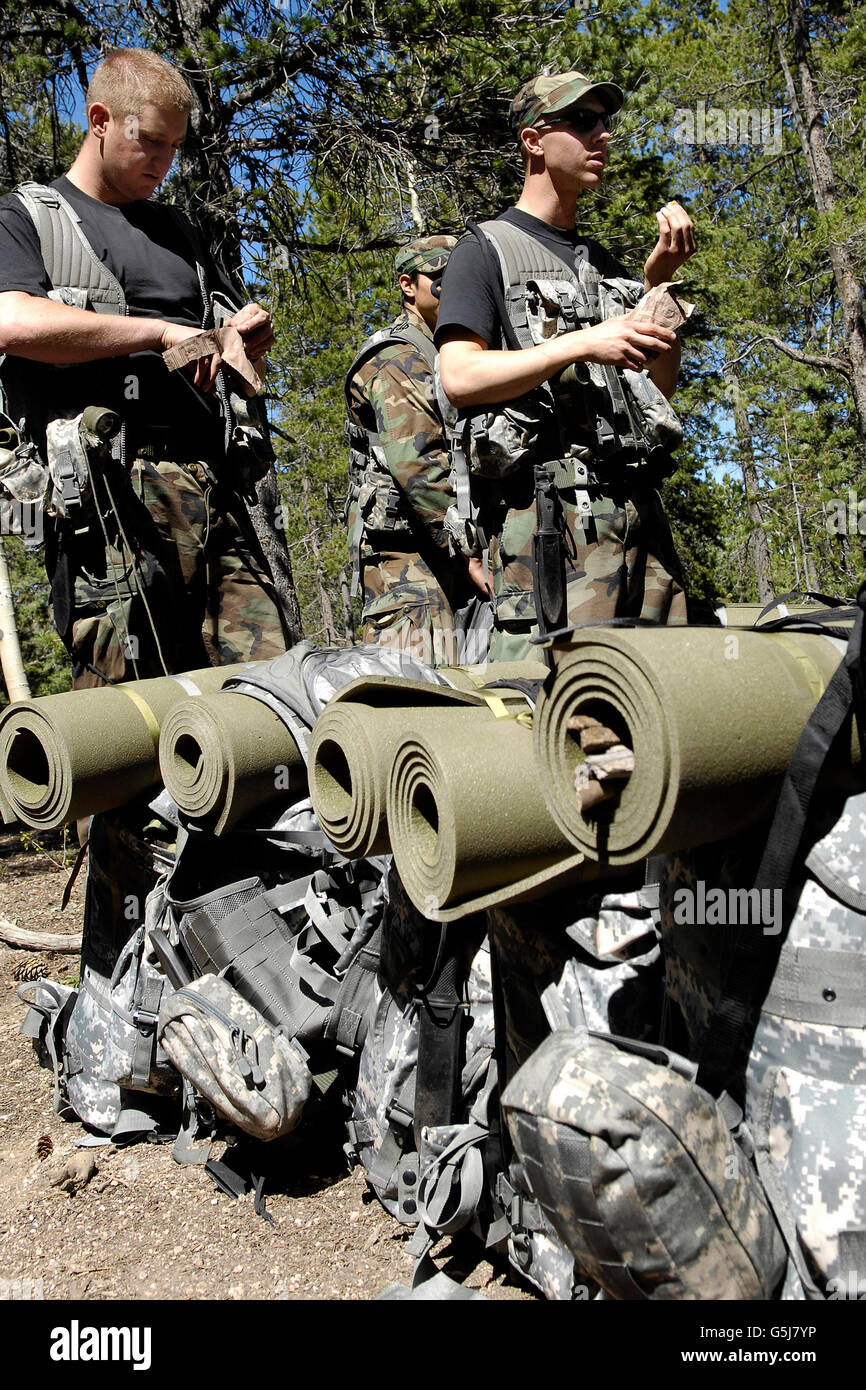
[231, 1055]
[499, 441]
[639, 1173]
[132, 1058]
[24, 485]
[73, 446]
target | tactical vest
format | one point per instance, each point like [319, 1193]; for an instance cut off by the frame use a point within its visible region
[374, 501]
[592, 423]
[79, 278]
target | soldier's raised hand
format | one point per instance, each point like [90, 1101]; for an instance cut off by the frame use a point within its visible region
[675, 245]
[205, 369]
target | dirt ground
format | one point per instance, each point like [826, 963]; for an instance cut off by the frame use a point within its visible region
[147, 1228]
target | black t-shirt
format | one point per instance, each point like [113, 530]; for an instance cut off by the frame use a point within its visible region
[149, 254]
[468, 297]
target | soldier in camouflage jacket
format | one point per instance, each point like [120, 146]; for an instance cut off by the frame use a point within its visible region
[619, 558]
[399, 471]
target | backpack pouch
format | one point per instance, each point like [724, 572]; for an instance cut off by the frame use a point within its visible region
[247, 1070]
[635, 1168]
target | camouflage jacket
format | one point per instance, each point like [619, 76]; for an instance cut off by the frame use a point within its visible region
[392, 395]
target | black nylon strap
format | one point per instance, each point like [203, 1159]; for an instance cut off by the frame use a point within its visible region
[440, 1020]
[755, 954]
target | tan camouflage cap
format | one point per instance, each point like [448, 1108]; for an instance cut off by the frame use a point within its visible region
[429, 254]
[552, 96]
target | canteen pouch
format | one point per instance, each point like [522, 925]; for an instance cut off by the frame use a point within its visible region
[246, 1069]
[636, 1169]
[497, 442]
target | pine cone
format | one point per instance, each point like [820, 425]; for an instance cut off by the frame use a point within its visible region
[27, 970]
[44, 1146]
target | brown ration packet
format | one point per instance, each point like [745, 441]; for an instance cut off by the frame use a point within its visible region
[230, 345]
[662, 305]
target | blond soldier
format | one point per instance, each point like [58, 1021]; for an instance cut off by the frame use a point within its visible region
[164, 571]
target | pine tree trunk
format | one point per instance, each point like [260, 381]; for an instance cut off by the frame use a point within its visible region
[758, 536]
[345, 592]
[14, 675]
[809, 121]
[273, 540]
[325, 605]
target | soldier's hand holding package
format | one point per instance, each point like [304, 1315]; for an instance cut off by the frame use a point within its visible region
[252, 323]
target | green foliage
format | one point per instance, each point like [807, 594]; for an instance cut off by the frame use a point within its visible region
[45, 659]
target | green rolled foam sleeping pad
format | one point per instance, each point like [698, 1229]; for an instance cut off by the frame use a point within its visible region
[712, 716]
[72, 755]
[467, 816]
[223, 755]
[355, 739]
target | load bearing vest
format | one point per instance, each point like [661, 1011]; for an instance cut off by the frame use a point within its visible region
[79, 278]
[372, 493]
[591, 422]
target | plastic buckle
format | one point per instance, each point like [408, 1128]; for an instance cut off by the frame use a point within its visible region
[145, 1019]
[398, 1115]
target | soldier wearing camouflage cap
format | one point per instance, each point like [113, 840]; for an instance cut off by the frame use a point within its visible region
[399, 474]
[552, 344]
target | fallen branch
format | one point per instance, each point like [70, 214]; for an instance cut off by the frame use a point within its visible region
[38, 940]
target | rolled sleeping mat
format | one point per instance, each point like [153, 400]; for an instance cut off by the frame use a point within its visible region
[712, 718]
[467, 817]
[472, 677]
[224, 755]
[72, 755]
[353, 746]
[748, 614]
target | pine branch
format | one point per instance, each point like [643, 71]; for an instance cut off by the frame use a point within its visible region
[821, 362]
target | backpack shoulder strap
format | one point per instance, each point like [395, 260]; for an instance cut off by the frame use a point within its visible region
[77, 275]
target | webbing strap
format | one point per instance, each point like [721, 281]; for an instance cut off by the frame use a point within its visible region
[70, 261]
[775, 1188]
[452, 1186]
[756, 955]
[440, 1021]
[39, 1024]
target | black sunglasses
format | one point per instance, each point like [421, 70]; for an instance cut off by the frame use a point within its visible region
[583, 119]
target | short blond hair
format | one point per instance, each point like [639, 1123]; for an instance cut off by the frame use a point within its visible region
[130, 77]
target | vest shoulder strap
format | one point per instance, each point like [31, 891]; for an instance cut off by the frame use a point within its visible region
[387, 337]
[523, 259]
[76, 273]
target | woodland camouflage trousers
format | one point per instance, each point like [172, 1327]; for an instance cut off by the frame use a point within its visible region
[405, 606]
[622, 564]
[209, 602]
[198, 594]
